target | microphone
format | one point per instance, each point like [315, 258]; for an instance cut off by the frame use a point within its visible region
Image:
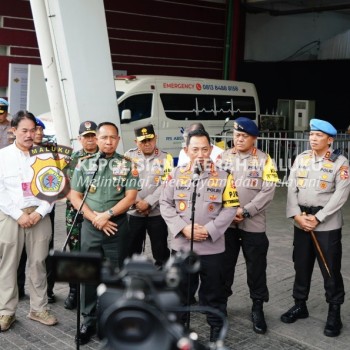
[197, 171]
[100, 155]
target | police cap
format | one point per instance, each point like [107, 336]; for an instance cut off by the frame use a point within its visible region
[87, 127]
[145, 132]
[3, 106]
[246, 125]
[39, 123]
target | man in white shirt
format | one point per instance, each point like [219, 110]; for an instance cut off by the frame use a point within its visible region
[23, 220]
[183, 158]
[21, 272]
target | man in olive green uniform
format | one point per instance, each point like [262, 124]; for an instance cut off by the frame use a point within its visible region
[153, 166]
[88, 140]
[318, 187]
[255, 179]
[105, 226]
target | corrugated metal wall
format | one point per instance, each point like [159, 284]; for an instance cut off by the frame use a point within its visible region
[146, 37]
[17, 36]
[167, 37]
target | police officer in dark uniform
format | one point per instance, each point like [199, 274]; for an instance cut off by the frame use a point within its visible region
[255, 179]
[153, 166]
[88, 140]
[216, 205]
[105, 226]
[319, 186]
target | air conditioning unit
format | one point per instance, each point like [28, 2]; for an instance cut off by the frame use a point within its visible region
[304, 110]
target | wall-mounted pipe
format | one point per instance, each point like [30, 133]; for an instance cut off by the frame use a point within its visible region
[274, 12]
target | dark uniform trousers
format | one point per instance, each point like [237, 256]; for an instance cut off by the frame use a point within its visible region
[211, 287]
[158, 234]
[304, 256]
[254, 246]
[113, 248]
[73, 242]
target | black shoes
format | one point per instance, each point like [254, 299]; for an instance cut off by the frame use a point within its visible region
[86, 332]
[51, 298]
[214, 334]
[299, 310]
[258, 318]
[334, 324]
[71, 301]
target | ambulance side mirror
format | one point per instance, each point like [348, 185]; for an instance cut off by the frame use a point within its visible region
[126, 116]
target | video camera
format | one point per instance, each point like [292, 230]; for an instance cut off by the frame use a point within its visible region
[137, 306]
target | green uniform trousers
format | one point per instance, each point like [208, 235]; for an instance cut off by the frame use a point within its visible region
[113, 248]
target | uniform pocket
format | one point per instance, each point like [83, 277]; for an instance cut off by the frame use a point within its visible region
[182, 199]
[253, 183]
[212, 203]
[323, 185]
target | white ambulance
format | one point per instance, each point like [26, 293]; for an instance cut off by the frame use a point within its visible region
[172, 103]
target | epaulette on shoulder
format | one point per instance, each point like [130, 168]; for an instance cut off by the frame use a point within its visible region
[76, 154]
[335, 154]
[167, 155]
[266, 154]
[88, 156]
[263, 153]
[127, 158]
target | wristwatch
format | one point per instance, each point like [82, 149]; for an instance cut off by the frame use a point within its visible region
[110, 212]
[245, 213]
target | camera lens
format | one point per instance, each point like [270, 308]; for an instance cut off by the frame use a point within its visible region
[131, 325]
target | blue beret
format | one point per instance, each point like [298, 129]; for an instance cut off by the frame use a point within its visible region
[322, 125]
[246, 125]
[39, 123]
[3, 102]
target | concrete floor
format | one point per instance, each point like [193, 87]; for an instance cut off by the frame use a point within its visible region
[304, 334]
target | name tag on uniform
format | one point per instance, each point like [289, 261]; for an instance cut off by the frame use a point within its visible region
[27, 192]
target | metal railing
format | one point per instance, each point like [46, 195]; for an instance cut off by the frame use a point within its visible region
[284, 146]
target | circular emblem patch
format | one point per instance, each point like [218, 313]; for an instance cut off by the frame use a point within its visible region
[182, 205]
[323, 185]
[211, 207]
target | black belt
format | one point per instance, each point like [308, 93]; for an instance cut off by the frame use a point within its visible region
[310, 210]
